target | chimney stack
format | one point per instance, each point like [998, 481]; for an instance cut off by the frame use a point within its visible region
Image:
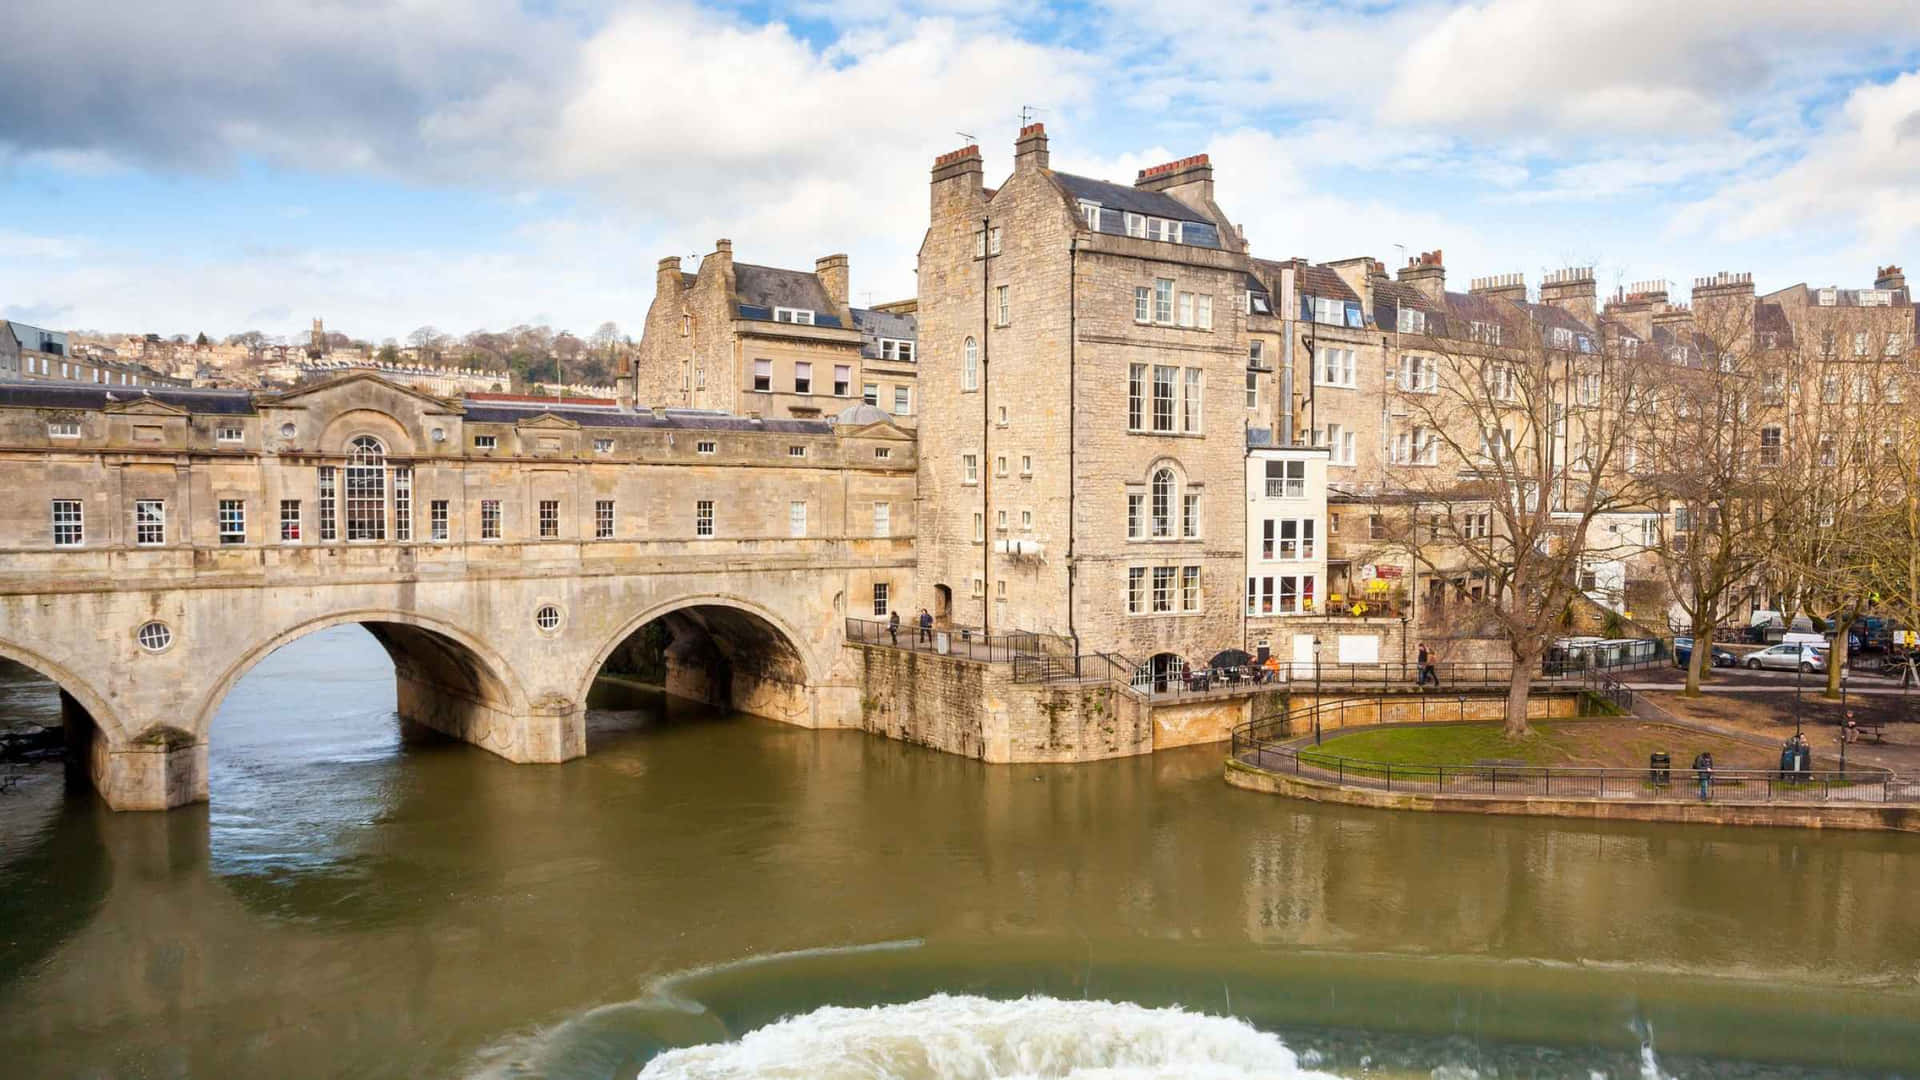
[1427, 272]
[1030, 149]
[1509, 287]
[666, 279]
[1189, 180]
[1573, 291]
[832, 272]
[956, 181]
[1889, 277]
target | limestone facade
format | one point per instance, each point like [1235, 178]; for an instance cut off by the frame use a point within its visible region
[764, 341]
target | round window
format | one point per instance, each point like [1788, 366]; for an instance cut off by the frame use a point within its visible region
[287, 430]
[154, 636]
[439, 434]
[547, 618]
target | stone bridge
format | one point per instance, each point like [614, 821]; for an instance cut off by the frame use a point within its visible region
[155, 547]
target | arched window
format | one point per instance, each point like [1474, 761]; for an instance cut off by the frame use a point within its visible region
[970, 366]
[1162, 490]
[366, 489]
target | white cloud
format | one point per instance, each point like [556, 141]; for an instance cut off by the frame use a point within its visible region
[1861, 175]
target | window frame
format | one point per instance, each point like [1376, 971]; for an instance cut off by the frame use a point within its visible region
[68, 519]
[149, 514]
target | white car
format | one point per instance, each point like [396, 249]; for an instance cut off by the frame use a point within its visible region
[1789, 657]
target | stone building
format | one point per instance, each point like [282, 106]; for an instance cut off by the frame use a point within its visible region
[1085, 355]
[760, 340]
[30, 354]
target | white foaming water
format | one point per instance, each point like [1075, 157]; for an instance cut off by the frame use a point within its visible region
[974, 1038]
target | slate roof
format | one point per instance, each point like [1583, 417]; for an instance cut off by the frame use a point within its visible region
[1772, 319]
[1322, 281]
[874, 325]
[757, 290]
[1118, 199]
[47, 395]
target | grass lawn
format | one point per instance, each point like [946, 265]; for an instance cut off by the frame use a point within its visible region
[1593, 744]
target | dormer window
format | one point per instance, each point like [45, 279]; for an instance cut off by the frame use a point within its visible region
[228, 433]
[1413, 321]
[1091, 211]
[896, 349]
[798, 316]
[1137, 225]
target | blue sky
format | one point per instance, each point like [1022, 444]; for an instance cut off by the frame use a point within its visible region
[223, 165]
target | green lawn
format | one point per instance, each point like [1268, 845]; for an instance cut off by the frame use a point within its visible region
[1604, 744]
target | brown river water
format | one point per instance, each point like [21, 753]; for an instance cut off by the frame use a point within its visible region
[709, 896]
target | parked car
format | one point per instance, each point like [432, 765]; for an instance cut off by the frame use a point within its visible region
[1683, 654]
[1788, 657]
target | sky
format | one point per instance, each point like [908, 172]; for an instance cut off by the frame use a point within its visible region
[227, 165]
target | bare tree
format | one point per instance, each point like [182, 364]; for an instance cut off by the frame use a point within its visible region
[1506, 450]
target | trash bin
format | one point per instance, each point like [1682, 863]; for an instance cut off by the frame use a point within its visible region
[941, 642]
[1659, 767]
[1789, 758]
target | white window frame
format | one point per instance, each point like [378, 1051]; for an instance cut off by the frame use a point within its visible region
[882, 597]
[969, 366]
[1003, 305]
[604, 520]
[763, 376]
[796, 316]
[883, 519]
[63, 429]
[149, 522]
[797, 519]
[69, 522]
[703, 519]
[229, 433]
[290, 514]
[486, 442]
[231, 516]
[603, 446]
[548, 520]
[439, 520]
[705, 446]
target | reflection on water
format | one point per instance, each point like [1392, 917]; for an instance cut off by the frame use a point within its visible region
[360, 899]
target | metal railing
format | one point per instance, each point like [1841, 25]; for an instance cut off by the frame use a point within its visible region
[1080, 667]
[961, 641]
[1269, 744]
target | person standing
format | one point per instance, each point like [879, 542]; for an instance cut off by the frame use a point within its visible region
[926, 626]
[893, 628]
[1703, 771]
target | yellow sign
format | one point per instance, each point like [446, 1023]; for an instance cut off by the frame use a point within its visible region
[1360, 609]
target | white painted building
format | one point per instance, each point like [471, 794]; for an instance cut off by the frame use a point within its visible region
[1286, 543]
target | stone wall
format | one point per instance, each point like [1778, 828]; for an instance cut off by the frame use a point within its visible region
[976, 710]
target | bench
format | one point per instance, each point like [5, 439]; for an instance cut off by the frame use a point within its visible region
[1875, 728]
[1497, 769]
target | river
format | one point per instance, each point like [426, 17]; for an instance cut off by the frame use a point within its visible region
[720, 896]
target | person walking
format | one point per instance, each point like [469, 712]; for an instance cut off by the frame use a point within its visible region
[926, 626]
[1427, 669]
[1703, 771]
[893, 628]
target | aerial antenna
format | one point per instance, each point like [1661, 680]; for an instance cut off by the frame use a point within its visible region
[1026, 114]
[967, 136]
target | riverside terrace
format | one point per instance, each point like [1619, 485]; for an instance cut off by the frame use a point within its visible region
[1282, 754]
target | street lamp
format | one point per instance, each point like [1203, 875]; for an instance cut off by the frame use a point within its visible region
[1316, 689]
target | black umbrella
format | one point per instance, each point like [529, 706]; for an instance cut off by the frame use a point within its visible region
[1231, 658]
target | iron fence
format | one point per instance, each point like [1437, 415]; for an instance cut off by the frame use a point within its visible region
[962, 641]
[1273, 744]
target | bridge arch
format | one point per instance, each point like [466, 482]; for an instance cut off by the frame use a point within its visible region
[446, 678]
[104, 719]
[770, 666]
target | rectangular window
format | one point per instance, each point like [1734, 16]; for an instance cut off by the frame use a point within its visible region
[489, 519]
[1203, 311]
[1136, 589]
[796, 451]
[485, 442]
[993, 240]
[970, 468]
[1163, 577]
[1190, 588]
[797, 518]
[1163, 300]
[980, 244]
[366, 502]
[1336, 367]
[1185, 318]
[902, 401]
[1136, 516]
[1136, 397]
[1000, 520]
[1286, 479]
[763, 376]
[437, 521]
[842, 380]
[403, 503]
[800, 316]
[228, 433]
[1770, 446]
[1000, 465]
[1163, 395]
[1002, 312]
[979, 527]
[1190, 516]
[1191, 401]
[289, 521]
[233, 521]
[880, 590]
[1253, 389]
[896, 349]
[549, 518]
[705, 447]
[803, 378]
[703, 517]
[149, 522]
[882, 519]
[69, 523]
[327, 508]
[1142, 304]
[1266, 538]
[870, 393]
[603, 519]
[1026, 521]
[1026, 464]
[883, 452]
[603, 446]
[63, 429]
